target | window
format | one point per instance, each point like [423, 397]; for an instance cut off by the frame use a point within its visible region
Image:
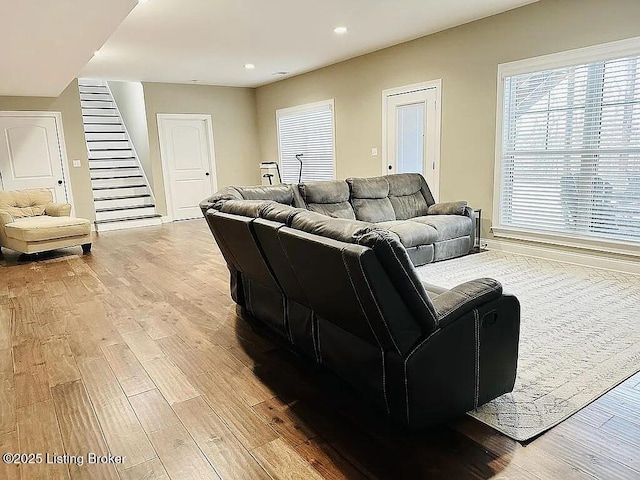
[306, 131]
[569, 152]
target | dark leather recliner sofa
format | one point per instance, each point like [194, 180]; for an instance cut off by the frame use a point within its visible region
[347, 296]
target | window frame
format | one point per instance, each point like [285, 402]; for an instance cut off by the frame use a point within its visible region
[605, 51]
[305, 107]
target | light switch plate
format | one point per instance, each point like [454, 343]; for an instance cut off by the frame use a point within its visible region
[77, 163]
[374, 152]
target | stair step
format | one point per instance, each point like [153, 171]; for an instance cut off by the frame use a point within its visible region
[141, 185]
[92, 97]
[103, 128]
[128, 222]
[91, 81]
[99, 112]
[111, 149]
[97, 103]
[121, 191]
[122, 197]
[123, 203]
[101, 119]
[113, 162]
[124, 219]
[122, 212]
[83, 89]
[98, 154]
[112, 168]
[122, 181]
[108, 144]
[106, 136]
[127, 207]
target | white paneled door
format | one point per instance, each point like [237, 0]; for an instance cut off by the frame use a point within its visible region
[186, 148]
[31, 153]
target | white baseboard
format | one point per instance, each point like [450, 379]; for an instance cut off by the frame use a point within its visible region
[575, 258]
[167, 219]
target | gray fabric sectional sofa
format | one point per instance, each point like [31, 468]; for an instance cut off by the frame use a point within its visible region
[336, 282]
[402, 204]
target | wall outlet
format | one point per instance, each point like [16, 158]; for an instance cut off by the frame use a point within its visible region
[77, 163]
[374, 152]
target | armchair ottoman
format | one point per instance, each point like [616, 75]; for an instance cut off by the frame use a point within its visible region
[30, 222]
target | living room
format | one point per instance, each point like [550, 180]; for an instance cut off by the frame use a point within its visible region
[169, 352]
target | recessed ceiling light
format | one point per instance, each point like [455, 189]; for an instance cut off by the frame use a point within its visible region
[340, 30]
[249, 66]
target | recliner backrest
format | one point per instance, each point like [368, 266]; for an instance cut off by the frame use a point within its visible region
[409, 195]
[370, 199]
[262, 293]
[284, 193]
[382, 277]
[327, 198]
[398, 266]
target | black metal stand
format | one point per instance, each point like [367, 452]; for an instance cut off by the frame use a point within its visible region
[478, 244]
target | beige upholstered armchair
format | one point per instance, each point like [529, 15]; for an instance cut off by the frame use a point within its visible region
[30, 222]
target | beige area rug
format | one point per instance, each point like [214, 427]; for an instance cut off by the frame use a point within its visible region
[579, 335]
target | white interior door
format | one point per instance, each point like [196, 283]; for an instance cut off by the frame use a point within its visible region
[186, 147]
[31, 154]
[412, 134]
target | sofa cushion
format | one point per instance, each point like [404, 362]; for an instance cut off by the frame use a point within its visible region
[369, 198]
[447, 226]
[25, 203]
[36, 229]
[409, 195]
[341, 229]
[277, 193]
[248, 208]
[277, 212]
[375, 187]
[327, 198]
[411, 234]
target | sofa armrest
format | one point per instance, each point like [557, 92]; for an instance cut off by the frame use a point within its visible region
[5, 217]
[57, 209]
[465, 297]
[448, 208]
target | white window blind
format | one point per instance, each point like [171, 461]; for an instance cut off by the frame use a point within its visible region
[306, 130]
[570, 160]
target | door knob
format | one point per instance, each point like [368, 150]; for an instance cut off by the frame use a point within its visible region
[59, 182]
[207, 174]
[390, 167]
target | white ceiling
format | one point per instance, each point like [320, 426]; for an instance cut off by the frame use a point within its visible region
[45, 43]
[209, 41]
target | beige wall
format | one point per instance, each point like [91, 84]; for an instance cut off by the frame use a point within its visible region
[466, 60]
[235, 136]
[129, 98]
[69, 104]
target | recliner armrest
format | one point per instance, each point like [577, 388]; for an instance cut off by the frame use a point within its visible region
[448, 208]
[57, 209]
[465, 297]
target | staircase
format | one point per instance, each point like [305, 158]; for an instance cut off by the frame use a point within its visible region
[121, 192]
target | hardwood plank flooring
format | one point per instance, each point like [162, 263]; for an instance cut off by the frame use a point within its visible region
[138, 350]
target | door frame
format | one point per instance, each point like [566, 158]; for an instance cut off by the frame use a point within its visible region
[62, 147]
[166, 173]
[428, 85]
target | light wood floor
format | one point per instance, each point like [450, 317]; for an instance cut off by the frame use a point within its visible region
[137, 350]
